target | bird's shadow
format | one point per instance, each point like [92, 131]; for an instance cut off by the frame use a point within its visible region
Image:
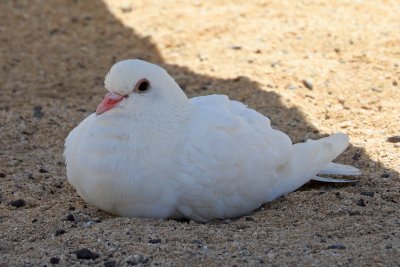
[75, 42]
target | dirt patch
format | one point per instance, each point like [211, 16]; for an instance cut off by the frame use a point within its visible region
[312, 67]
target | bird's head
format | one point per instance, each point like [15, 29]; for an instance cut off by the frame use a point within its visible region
[136, 86]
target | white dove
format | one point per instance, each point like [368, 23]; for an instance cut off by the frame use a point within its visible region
[149, 151]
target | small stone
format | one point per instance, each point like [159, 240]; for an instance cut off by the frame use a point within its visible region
[235, 47]
[55, 260]
[274, 64]
[249, 219]
[110, 264]
[71, 208]
[2, 175]
[86, 254]
[337, 50]
[388, 246]
[376, 89]
[308, 84]
[361, 203]
[17, 203]
[394, 83]
[88, 224]
[201, 57]
[30, 176]
[58, 185]
[238, 79]
[135, 260]
[385, 175]
[60, 232]
[336, 246]
[53, 31]
[197, 242]
[394, 139]
[34, 220]
[126, 8]
[292, 87]
[70, 218]
[43, 170]
[353, 212]
[368, 194]
[37, 112]
[356, 156]
[155, 241]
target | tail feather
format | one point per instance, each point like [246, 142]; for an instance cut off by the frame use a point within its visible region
[310, 158]
[332, 180]
[339, 169]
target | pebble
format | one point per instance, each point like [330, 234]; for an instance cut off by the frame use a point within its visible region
[37, 112]
[70, 218]
[55, 260]
[336, 246]
[135, 260]
[292, 87]
[353, 212]
[235, 47]
[110, 264]
[17, 203]
[88, 224]
[249, 219]
[361, 203]
[2, 175]
[356, 156]
[60, 232]
[198, 242]
[308, 84]
[126, 7]
[394, 139]
[368, 194]
[155, 241]
[385, 175]
[202, 57]
[86, 254]
[43, 170]
[376, 89]
[274, 64]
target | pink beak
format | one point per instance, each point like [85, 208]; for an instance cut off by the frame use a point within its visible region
[109, 101]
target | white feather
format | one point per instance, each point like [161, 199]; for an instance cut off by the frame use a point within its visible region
[160, 154]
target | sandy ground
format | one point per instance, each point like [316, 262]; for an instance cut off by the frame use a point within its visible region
[54, 55]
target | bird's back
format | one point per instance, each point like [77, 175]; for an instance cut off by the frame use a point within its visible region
[230, 161]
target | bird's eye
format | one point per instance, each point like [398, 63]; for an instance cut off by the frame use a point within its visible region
[142, 86]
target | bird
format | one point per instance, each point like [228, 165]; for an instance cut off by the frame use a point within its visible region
[150, 151]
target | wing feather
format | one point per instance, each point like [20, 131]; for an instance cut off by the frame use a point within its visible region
[232, 171]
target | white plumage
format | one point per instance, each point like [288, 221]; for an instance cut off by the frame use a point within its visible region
[152, 152]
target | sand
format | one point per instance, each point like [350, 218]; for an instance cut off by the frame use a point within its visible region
[313, 67]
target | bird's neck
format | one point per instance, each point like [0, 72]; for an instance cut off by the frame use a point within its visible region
[149, 134]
